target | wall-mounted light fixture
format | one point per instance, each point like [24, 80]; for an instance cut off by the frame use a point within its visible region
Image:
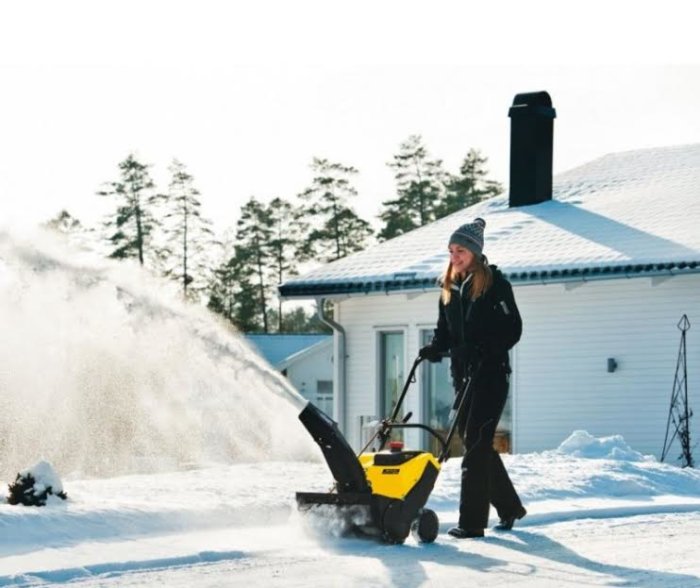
[612, 365]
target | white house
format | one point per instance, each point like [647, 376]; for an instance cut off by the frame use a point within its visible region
[306, 359]
[604, 263]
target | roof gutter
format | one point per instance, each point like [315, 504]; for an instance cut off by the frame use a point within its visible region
[604, 273]
[356, 289]
[339, 375]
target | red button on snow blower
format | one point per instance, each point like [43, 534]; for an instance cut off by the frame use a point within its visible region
[396, 446]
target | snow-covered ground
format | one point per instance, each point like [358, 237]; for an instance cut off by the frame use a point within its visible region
[613, 518]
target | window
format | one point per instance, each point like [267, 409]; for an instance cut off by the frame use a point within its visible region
[391, 373]
[438, 396]
[324, 396]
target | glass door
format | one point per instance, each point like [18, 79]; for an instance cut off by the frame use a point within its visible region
[438, 397]
[391, 362]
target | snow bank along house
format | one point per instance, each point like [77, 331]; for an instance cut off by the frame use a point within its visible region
[604, 260]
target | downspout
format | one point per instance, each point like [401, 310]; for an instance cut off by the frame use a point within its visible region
[339, 377]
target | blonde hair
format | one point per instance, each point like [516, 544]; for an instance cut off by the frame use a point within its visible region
[482, 278]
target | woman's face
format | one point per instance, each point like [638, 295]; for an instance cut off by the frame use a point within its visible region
[461, 258]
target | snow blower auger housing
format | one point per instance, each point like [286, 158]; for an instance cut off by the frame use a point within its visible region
[380, 493]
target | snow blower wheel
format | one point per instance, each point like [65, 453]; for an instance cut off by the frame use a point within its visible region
[425, 526]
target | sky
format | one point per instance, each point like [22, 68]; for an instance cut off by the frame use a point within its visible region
[246, 97]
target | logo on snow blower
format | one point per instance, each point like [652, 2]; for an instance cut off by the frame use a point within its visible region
[391, 470]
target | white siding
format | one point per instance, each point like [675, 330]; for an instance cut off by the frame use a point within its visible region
[307, 370]
[560, 382]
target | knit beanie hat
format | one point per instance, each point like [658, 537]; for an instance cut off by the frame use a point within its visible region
[470, 236]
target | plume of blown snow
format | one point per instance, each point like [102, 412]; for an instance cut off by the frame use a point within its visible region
[104, 370]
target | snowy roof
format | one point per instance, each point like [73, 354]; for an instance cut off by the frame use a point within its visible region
[279, 348]
[624, 214]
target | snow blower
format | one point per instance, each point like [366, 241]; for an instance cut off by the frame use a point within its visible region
[381, 493]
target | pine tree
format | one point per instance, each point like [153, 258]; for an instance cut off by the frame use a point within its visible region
[287, 240]
[298, 320]
[64, 222]
[72, 231]
[254, 233]
[469, 186]
[419, 186]
[336, 229]
[131, 226]
[233, 295]
[189, 235]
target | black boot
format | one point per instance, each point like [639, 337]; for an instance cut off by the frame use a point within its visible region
[506, 522]
[459, 533]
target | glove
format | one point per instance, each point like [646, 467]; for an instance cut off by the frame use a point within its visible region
[431, 353]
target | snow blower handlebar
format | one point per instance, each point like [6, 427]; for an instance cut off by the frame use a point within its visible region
[410, 380]
[382, 434]
[433, 432]
[391, 423]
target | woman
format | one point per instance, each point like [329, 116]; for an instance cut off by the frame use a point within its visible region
[478, 323]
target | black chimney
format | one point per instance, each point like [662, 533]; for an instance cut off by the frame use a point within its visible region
[531, 136]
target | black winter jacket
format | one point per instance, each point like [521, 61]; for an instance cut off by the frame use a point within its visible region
[484, 329]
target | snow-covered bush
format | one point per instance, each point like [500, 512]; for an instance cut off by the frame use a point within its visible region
[33, 486]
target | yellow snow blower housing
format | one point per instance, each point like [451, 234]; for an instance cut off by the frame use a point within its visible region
[395, 473]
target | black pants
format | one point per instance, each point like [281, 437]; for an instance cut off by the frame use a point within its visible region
[484, 477]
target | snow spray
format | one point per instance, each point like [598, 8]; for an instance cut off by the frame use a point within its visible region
[105, 371]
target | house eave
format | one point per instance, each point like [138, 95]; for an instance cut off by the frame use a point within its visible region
[295, 357]
[356, 288]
